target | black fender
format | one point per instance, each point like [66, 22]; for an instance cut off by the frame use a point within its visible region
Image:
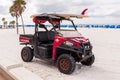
[68, 50]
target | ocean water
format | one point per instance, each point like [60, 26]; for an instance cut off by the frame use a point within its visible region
[85, 26]
[108, 26]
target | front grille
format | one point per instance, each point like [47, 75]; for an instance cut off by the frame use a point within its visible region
[86, 45]
[86, 48]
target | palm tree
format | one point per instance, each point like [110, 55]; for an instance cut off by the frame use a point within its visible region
[14, 13]
[12, 23]
[3, 19]
[21, 4]
[17, 9]
[5, 23]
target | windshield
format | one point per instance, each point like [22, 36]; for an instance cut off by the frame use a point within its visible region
[66, 24]
[67, 29]
[69, 33]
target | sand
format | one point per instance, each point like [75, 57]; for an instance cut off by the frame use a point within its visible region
[106, 47]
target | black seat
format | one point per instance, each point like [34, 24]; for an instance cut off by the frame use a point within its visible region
[42, 36]
[51, 35]
[46, 36]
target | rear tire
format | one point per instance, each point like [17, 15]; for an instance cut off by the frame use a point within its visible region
[66, 63]
[89, 61]
[27, 54]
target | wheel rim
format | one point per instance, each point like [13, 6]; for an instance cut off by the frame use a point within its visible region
[65, 64]
[25, 54]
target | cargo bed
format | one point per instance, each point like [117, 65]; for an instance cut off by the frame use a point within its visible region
[26, 38]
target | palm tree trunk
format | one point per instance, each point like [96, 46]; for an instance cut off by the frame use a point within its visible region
[23, 24]
[17, 24]
[3, 24]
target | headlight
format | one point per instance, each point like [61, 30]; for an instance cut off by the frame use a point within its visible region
[69, 43]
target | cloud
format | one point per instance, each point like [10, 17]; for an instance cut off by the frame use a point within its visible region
[53, 7]
[96, 8]
[4, 6]
[85, 3]
[64, 6]
[103, 10]
[115, 14]
[3, 10]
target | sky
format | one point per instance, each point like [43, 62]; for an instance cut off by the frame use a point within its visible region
[100, 11]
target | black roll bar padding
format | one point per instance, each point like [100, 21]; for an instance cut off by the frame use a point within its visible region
[74, 25]
[43, 26]
[36, 27]
[35, 38]
[52, 24]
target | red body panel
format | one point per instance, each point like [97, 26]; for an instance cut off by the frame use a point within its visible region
[78, 39]
[22, 39]
[57, 41]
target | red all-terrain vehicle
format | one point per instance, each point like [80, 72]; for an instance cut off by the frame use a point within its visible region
[63, 46]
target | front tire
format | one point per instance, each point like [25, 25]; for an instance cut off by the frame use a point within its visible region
[27, 54]
[66, 63]
[89, 61]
